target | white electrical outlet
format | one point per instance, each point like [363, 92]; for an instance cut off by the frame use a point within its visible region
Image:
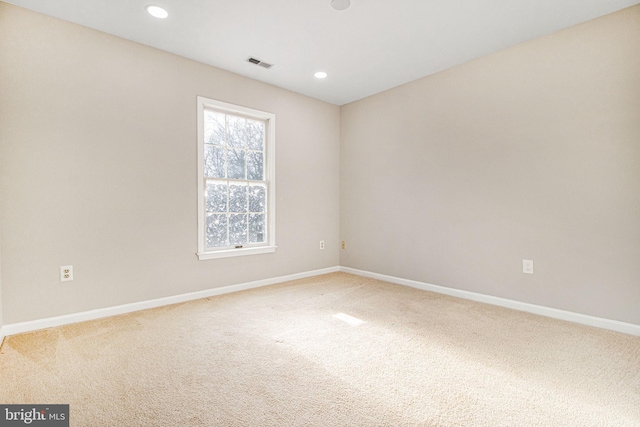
[66, 273]
[527, 266]
[321, 244]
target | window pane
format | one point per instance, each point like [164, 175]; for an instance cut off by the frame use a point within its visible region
[255, 135]
[213, 161]
[236, 163]
[213, 128]
[237, 229]
[238, 198]
[255, 168]
[236, 131]
[235, 198]
[257, 228]
[257, 198]
[216, 230]
[216, 197]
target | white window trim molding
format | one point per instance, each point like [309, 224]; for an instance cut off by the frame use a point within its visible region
[270, 176]
[236, 252]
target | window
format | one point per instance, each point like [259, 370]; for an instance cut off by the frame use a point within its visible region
[236, 180]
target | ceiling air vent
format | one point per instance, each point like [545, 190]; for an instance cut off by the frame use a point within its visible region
[260, 63]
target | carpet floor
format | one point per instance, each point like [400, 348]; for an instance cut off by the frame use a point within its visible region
[331, 350]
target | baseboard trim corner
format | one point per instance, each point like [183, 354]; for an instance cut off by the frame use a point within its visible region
[34, 325]
[29, 326]
[598, 322]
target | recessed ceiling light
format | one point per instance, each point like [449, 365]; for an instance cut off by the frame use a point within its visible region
[340, 4]
[320, 75]
[157, 11]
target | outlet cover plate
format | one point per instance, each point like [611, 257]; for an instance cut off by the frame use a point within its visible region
[66, 273]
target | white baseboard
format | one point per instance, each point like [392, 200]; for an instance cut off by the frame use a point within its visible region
[17, 328]
[613, 325]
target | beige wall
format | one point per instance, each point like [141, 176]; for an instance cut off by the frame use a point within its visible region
[1, 318]
[532, 152]
[98, 170]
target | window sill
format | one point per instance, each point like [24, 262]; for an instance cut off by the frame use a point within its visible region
[236, 252]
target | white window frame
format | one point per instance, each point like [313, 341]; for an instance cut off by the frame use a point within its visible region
[269, 246]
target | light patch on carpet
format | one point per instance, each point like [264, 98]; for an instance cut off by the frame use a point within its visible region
[353, 321]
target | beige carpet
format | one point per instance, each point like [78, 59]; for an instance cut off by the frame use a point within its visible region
[278, 356]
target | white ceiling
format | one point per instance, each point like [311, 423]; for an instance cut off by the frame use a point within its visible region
[372, 46]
